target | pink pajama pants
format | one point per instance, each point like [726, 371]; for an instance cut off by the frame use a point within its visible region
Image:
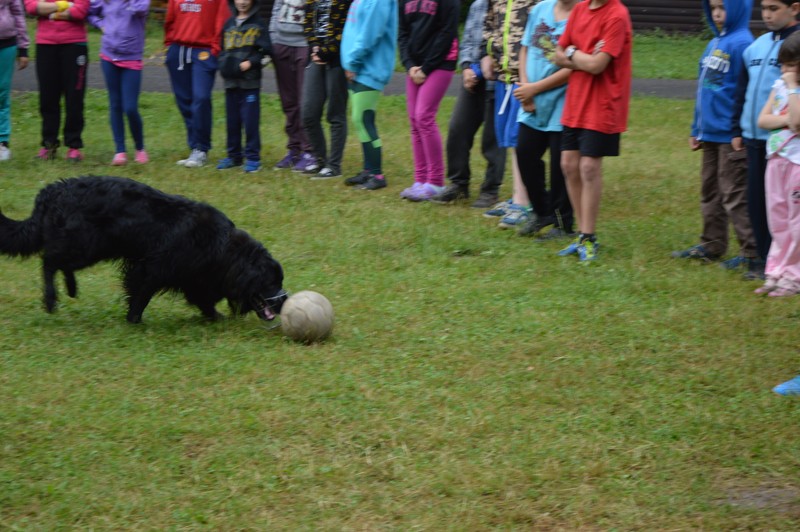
[782, 184]
[422, 103]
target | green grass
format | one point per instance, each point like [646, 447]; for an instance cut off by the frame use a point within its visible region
[474, 380]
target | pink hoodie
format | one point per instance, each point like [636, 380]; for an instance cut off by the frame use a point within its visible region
[60, 31]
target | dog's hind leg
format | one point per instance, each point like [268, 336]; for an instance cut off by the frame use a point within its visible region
[50, 294]
[72, 285]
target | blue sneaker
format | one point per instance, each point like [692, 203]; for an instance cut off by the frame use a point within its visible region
[251, 166]
[587, 251]
[791, 387]
[227, 163]
[517, 216]
[571, 249]
[735, 263]
[698, 252]
[501, 209]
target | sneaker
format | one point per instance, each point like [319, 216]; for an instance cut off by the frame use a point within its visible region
[141, 157]
[755, 271]
[517, 216]
[425, 192]
[484, 201]
[571, 249]
[499, 210]
[451, 194]
[791, 387]
[5, 153]
[556, 233]
[197, 159]
[74, 155]
[227, 162]
[251, 166]
[536, 225]
[120, 159]
[735, 263]
[288, 161]
[695, 252]
[374, 183]
[411, 191]
[307, 163]
[325, 173]
[359, 179]
[47, 153]
[587, 250]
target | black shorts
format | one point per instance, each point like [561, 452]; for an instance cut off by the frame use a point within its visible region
[590, 143]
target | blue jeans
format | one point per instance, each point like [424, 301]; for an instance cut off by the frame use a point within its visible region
[8, 58]
[192, 71]
[124, 86]
[243, 109]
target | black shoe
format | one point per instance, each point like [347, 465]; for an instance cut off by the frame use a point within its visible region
[450, 194]
[485, 200]
[373, 184]
[556, 233]
[536, 225]
[755, 270]
[359, 179]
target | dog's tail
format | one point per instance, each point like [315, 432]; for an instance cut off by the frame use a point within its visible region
[19, 238]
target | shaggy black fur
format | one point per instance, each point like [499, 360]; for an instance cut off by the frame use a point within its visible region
[164, 243]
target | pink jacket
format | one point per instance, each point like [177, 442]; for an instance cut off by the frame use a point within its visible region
[61, 31]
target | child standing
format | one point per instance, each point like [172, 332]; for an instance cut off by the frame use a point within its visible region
[761, 68]
[781, 115]
[428, 39]
[245, 42]
[723, 191]
[13, 47]
[369, 46]
[61, 63]
[121, 53]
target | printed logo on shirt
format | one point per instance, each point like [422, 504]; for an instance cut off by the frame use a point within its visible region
[239, 39]
[544, 39]
[427, 7]
[716, 65]
[292, 12]
[189, 6]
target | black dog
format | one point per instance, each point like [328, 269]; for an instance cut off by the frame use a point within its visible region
[164, 242]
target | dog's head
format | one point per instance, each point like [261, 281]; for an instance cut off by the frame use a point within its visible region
[256, 281]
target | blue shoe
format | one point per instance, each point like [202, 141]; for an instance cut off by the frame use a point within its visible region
[735, 263]
[251, 166]
[587, 251]
[571, 249]
[791, 387]
[227, 163]
[516, 216]
[698, 252]
[501, 209]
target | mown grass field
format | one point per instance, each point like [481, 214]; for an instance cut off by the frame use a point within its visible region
[475, 380]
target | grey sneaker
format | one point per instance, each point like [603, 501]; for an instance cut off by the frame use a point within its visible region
[485, 200]
[196, 159]
[451, 194]
[535, 226]
[325, 173]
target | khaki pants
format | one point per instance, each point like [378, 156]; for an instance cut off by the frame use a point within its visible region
[723, 197]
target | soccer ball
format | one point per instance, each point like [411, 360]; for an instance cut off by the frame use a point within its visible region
[307, 316]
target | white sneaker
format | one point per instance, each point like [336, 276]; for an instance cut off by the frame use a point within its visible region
[325, 173]
[196, 159]
[5, 153]
[183, 162]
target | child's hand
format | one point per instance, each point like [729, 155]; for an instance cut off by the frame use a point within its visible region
[695, 144]
[524, 92]
[417, 75]
[22, 63]
[470, 79]
[737, 143]
[244, 66]
[790, 78]
[598, 47]
[487, 67]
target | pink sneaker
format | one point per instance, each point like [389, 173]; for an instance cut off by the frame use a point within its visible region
[47, 154]
[74, 155]
[141, 157]
[120, 159]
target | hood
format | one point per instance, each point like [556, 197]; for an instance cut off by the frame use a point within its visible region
[737, 16]
[253, 9]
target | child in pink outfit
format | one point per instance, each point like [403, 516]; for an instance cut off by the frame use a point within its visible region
[428, 39]
[781, 114]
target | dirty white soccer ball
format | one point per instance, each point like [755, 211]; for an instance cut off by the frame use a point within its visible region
[307, 316]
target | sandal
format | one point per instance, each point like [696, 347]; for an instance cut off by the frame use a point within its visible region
[781, 291]
[770, 285]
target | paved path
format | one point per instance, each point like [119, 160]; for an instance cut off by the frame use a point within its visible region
[155, 79]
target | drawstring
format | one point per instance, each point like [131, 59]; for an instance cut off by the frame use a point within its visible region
[507, 97]
[181, 61]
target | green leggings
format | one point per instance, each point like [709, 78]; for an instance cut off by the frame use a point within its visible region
[364, 102]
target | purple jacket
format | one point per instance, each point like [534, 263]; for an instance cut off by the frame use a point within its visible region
[122, 23]
[12, 26]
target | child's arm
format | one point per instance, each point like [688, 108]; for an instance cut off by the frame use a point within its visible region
[767, 120]
[790, 78]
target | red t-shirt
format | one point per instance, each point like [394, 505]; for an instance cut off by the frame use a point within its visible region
[599, 102]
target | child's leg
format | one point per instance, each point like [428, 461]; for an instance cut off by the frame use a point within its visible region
[312, 105]
[756, 205]
[792, 197]
[559, 199]
[204, 69]
[48, 73]
[74, 87]
[531, 145]
[113, 75]
[715, 220]
[337, 116]
[8, 57]
[417, 148]
[777, 201]
[429, 97]
[733, 192]
[233, 124]
[251, 117]
[131, 83]
[364, 103]
[180, 75]
[289, 63]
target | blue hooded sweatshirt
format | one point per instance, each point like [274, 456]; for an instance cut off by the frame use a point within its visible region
[720, 68]
[369, 41]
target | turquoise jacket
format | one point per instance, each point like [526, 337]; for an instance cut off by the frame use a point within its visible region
[369, 41]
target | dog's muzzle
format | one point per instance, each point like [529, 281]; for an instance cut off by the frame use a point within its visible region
[268, 307]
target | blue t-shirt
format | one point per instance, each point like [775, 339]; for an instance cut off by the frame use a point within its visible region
[541, 38]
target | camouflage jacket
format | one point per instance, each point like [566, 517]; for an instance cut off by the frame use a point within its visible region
[324, 25]
[502, 41]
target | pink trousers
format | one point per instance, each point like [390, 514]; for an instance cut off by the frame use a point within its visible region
[782, 184]
[422, 103]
